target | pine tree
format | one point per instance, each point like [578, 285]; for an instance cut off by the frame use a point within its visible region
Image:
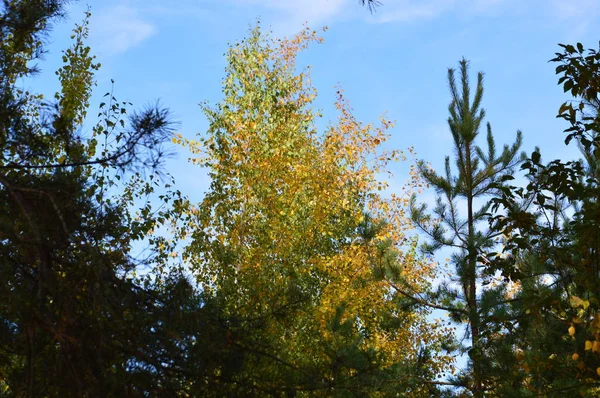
[72, 320]
[478, 173]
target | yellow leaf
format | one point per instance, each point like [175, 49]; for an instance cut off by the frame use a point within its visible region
[577, 302]
[519, 355]
[596, 322]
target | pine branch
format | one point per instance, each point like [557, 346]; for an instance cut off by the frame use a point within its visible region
[372, 4]
[426, 303]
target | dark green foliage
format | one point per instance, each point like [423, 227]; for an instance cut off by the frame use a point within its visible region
[553, 240]
[72, 320]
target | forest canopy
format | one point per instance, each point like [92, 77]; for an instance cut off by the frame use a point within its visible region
[301, 271]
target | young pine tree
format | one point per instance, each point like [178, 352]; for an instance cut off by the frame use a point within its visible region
[462, 204]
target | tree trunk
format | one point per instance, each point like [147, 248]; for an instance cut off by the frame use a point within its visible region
[474, 354]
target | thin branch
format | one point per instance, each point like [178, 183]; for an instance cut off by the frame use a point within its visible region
[426, 303]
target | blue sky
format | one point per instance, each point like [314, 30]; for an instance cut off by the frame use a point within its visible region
[393, 61]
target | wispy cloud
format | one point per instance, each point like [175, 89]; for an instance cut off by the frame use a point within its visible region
[419, 10]
[309, 10]
[412, 10]
[116, 29]
[288, 16]
[579, 14]
[569, 9]
[490, 6]
[415, 10]
[292, 13]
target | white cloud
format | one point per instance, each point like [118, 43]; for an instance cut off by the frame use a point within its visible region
[580, 14]
[306, 9]
[568, 9]
[487, 6]
[301, 9]
[122, 27]
[296, 12]
[417, 10]
[290, 15]
[412, 10]
[116, 29]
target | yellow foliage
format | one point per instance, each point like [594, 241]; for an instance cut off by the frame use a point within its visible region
[520, 355]
[282, 223]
